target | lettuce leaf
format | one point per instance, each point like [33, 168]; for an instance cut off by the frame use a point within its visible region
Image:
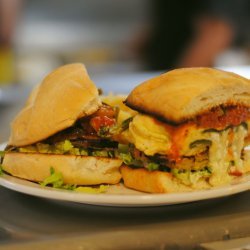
[56, 181]
[64, 146]
[93, 190]
[1, 169]
[151, 166]
[128, 159]
[189, 177]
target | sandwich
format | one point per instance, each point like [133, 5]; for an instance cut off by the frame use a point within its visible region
[66, 127]
[189, 133]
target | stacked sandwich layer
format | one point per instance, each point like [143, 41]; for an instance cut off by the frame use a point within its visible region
[64, 125]
[191, 129]
[181, 131]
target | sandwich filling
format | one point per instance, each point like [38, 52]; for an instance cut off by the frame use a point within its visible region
[89, 136]
[205, 151]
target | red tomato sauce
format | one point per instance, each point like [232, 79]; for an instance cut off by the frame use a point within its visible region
[103, 117]
[217, 118]
[101, 121]
[220, 118]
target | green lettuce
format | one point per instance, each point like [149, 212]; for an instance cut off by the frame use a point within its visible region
[64, 147]
[189, 177]
[1, 169]
[151, 166]
[56, 181]
[128, 159]
[93, 190]
[117, 129]
[100, 153]
[28, 149]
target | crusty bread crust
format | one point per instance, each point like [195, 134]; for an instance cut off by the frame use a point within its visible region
[182, 94]
[162, 182]
[151, 182]
[81, 170]
[63, 96]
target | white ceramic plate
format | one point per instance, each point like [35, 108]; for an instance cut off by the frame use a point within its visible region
[118, 195]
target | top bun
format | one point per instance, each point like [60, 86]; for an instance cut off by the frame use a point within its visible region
[65, 95]
[182, 94]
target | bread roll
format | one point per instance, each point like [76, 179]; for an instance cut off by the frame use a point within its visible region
[79, 170]
[181, 94]
[151, 182]
[63, 96]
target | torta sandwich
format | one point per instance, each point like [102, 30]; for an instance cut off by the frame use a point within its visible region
[64, 125]
[190, 131]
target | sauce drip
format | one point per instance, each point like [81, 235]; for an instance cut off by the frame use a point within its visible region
[221, 117]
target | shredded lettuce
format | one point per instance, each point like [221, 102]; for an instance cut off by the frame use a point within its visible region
[123, 148]
[64, 147]
[100, 153]
[151, 166]
[43, 148]
[128, 159]
[56, 181]
[59, 148]
[93, 190]
[84, 152]
[189, 177]
[1, 169]
[28, 149]
[2, 153]
[117, 129]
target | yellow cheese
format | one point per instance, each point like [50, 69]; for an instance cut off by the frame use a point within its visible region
[149, 136]
[154, 137]
[224, 153]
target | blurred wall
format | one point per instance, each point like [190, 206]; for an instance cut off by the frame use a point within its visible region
[93, 31]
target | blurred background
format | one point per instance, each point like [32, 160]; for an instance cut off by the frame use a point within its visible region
[121, 42]
[120, 36]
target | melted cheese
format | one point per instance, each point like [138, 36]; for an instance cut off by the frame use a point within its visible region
[149, 136]
[226, 146]
[153, 137]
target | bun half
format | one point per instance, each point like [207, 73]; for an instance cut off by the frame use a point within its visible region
[63, 96]
[181, 94]
[151, 182]
[79, 170]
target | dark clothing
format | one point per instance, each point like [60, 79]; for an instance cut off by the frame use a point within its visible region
[173, 27]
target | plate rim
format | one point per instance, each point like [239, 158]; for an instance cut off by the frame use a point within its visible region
[138, 199]
[122, 200]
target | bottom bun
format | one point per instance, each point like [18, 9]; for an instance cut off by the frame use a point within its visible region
[79, 170]
[151, 182]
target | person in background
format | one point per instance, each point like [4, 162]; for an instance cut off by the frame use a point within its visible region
[9, 10]
[192, 33]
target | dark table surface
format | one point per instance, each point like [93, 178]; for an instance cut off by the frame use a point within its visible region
[26, 218]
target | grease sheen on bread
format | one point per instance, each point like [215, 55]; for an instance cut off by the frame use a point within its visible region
[63, 96]
[181, 94]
